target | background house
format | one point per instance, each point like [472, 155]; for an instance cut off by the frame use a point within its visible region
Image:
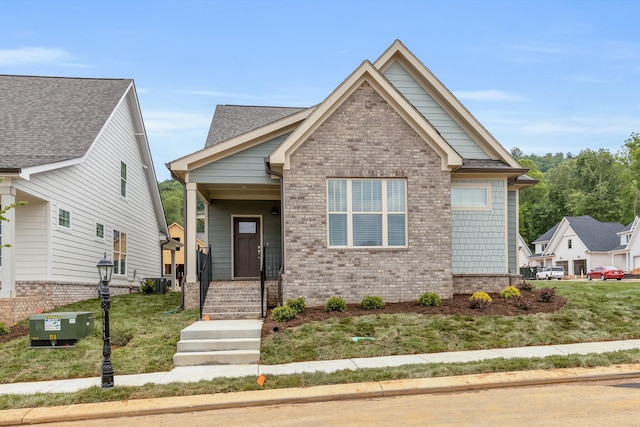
[388, 187]
[578, 244]
[75, 150]
[173, 260]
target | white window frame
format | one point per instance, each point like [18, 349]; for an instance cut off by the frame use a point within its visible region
[62, 226]
[117, 270]
[123, 179]
[385, 213]
[472, 187]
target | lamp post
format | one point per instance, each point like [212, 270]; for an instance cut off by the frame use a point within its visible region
[105, 270]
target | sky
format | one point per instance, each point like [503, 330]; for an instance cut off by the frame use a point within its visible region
[544, 76]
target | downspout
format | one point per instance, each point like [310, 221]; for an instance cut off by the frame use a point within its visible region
[267, 167]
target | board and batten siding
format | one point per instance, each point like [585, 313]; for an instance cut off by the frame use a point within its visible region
[90, 191]
[433, 112]
[479, 235]
[221, 230]
[244, 167]
[32, 232]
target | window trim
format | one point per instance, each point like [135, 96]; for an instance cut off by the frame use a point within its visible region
[119, 252]
[384, 213]
[62, 226]
[472, 185]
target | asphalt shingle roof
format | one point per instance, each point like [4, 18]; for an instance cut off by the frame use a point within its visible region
[232, 120]
[597, 236]
[52, 119]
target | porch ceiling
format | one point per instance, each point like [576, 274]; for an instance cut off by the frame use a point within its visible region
[239, 191]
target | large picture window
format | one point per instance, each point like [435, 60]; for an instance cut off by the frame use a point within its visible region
[119, 252]
[367, 212]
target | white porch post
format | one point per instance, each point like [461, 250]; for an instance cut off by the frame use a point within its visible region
[173, 270]
[8, 270]
[191, 272]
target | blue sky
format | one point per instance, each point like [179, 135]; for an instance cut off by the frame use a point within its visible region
[544, 76]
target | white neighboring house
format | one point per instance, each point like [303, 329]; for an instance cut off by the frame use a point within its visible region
[578, 244]
[75, 150]
[627, 255]
[524, 253]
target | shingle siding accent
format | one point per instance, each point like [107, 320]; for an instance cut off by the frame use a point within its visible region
[366, 138]
[479, 236]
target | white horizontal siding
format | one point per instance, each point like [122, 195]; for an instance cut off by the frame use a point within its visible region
[90, 191]
[31, 241]
[433, 112]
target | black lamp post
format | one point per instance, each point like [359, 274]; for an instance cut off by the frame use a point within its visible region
[105, 270]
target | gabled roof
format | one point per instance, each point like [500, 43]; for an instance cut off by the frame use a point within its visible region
[52, 119]
[232, 120]
[366, 72]
[456, 110]
[597, 236]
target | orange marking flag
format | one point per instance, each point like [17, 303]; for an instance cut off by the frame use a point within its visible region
[261, 380]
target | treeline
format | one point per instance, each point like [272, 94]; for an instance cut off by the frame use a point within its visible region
[599, 183]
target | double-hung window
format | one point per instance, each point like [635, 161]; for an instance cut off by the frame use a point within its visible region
[64, 218]
[119, 252]
[367, 212]
[123, 179]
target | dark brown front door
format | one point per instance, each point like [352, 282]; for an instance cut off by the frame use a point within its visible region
[246, 247]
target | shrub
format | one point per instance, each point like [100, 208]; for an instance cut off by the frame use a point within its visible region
[335, 304]
[148, 286]
[523, 305]
[372, 302]
[283, 313]
[547, 294]
[526, 286]
[120, 337]
[4, 330]
[297, 304]
[510, 292]
[480, 300]
[429, 299]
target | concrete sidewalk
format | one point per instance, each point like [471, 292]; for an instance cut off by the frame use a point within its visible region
[197, 373]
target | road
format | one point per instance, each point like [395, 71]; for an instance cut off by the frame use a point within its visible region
[610, 403]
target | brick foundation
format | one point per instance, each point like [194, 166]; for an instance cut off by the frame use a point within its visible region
[490, 283]
[34, 295]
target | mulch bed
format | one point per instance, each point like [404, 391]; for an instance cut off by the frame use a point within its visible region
[16, 332]
[459, 304]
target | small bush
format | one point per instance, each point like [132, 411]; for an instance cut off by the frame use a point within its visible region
[510, 292]
[283, 313]
[547, 294]
[335, 304]
[372, 302]
[148, 286]
[480, 300]
[429, 299]
[4, 330]
[297, 304]
[527, 286]
[523, 305]
[120, 337]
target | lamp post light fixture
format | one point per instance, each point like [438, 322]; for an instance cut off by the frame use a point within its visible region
[105, 270]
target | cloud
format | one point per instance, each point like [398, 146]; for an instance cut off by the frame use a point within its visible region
[166, 122]
[486, 95]
[35, 55]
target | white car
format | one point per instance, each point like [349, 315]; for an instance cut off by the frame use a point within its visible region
[548, 273]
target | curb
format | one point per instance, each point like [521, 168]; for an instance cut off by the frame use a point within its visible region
[181, 404]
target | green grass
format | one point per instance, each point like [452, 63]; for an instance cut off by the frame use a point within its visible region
[150, 324]
[595, 311]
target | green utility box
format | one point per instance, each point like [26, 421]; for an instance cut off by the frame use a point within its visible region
[59, 329]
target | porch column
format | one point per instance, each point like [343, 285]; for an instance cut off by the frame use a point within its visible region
[190, 264]
[173, 270]
[8, 260]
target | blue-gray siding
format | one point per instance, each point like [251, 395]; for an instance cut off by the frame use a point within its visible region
[479, 236]
[512, 198]
[244, 167]
[431, 110]
[221, 228]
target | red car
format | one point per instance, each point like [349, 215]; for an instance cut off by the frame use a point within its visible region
[606, 272]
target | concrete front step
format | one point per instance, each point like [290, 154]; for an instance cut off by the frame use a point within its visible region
[238, 315]
[224, 357]
[219, 344]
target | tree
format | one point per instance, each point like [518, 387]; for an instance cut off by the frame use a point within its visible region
[171, 193]
[3, 211]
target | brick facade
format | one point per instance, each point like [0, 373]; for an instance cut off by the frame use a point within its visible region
[366, 138]
[44, 295]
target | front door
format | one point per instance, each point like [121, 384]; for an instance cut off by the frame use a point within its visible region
[246, 247]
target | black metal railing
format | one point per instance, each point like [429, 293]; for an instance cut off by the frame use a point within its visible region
[271, 261]
[204, 273]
